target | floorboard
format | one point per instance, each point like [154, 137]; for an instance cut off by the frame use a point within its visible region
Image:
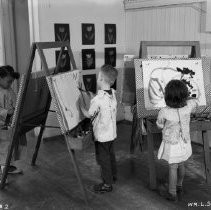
[52, 184]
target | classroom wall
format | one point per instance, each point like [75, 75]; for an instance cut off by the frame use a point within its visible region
[21, 29]
[175, 23]
[1, 41]
[75, 13]
[167, 23]
[163, 23]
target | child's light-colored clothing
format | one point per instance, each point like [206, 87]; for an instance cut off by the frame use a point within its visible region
[176, 142]
[7, 101]
[104, 125]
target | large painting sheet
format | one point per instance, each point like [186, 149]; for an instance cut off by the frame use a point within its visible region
[202, 80]
[67, 94]
[157, 73]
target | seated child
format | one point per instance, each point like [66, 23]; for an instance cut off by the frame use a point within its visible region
[102, 111]
[7, 107]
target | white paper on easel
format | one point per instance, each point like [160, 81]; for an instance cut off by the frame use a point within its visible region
[67, 95]
[157, 73]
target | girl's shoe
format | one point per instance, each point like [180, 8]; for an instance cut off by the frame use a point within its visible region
[171, 197]
[180, 192]
[102, 188]
[6, 182]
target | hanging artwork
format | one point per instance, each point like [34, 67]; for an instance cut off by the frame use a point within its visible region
[110, 33]
[88, 59]
[110, 56]
[65, 61]
[88, 33]
[157, 73]
[62, 32]
[90, 83]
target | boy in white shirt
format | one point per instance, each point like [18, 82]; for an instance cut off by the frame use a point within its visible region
[103, 108]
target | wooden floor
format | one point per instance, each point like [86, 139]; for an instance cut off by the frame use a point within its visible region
[52, 184]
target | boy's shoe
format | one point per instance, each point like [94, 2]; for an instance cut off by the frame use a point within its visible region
[14, 170]
[171, 197]
[102, 188]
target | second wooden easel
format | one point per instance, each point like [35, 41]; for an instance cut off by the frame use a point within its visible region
[21, 125]
[151, 127]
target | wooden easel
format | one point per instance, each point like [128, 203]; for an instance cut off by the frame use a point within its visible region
[20, 126]
[150, 122]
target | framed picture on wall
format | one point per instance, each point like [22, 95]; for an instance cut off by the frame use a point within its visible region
[110, 56]
[88, 33]
[110, 33]
[88, 59]
[90, 82]
[62, 32]
[65, 61]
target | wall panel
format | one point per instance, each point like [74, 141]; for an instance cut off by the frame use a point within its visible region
[175, 23]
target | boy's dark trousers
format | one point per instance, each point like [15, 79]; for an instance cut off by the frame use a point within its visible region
[105, 157]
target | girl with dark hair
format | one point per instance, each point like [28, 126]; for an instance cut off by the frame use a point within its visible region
[174, 120]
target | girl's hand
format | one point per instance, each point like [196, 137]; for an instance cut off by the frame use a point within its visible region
[10, 111]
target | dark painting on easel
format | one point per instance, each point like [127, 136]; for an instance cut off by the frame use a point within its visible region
[90, 82]
[62, 32]
[88, 33]
[88, 59]
[110, 33]
[65, 61]
[36, 98]
[110, 56]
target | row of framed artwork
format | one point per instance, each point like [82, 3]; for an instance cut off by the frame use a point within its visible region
[88, 58]
[62, 33]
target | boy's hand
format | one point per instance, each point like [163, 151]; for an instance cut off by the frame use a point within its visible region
[91, 94]
[85, 112]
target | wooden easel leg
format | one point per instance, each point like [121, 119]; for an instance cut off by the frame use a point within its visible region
[37, 146]
[136, 133]
[152, 171]
[7, 164]
[132, 141]
[77, 171]
[207, 157]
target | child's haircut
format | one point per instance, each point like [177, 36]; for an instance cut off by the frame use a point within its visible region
[110, 73]
[176, 94]
[8, 71]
